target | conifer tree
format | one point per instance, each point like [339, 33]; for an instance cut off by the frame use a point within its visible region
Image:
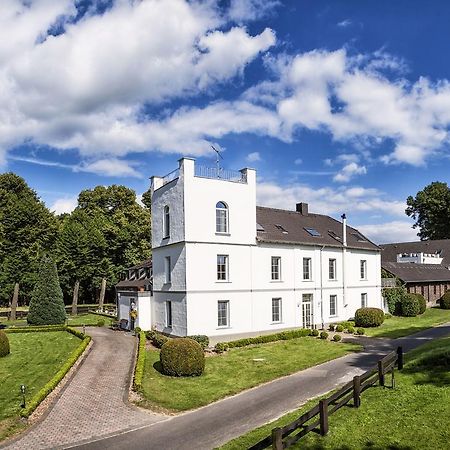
[47, 305]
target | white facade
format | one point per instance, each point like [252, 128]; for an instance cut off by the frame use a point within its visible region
[419, 258]
[195, 299]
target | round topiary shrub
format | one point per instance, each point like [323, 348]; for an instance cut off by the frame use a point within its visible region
[323, 335]
[101, 323]
[410, 306]
[337, 338]
[331, 327]
[4, 344]
[369, 317]
[360, 331]
[339, 328]
[445, 300]
[422, 302]
[350, 330]
[182, 357]
[315, 333]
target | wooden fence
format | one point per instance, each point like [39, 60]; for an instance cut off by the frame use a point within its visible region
[316, 419]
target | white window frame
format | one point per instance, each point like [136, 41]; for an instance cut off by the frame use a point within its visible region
[220, 223]
[222, 268]
[167, 270]
[364, 300]
[307, 275]
[277, 310]
[220, 316]
[333, 302]
[168, 314]
[332, 269]
[166, 222]
[363, 269]
[275, 268]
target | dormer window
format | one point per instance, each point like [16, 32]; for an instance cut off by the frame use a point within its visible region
[166, 222]
[221, 218]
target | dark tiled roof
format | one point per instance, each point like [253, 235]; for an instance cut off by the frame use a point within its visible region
[389, 251]
[411, 272]
[134, 283]
[292, 224]
[142, 265]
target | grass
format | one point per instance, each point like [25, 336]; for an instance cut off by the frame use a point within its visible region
[234, 371]
[33, 361]
[74, 321]
[395, 327]
[414, 415]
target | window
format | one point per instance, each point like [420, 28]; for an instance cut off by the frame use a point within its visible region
[333, 305]
[221, 218]
[313, 232]
[359, 237]
[168, 314]
[276, 310]
[281, 228]
[332, 269]
[166, 222]
[307, 275]
[276, 268]
[223, 313]
[167, 270]
[222, 267]
[363, 269]
[363, 300]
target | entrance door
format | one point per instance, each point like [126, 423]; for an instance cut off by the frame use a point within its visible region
[307, 311]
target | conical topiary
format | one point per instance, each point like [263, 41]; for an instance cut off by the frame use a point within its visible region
[47, 304]
[4, 344]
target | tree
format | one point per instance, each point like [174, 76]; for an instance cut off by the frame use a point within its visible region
[27, 230]
[430, 208]
[47, 305]
[107, 232]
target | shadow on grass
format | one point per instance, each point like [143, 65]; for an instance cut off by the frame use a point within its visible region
[400, 332]
[367, 446]
[158, 367]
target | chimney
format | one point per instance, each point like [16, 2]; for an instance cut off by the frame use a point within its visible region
[302, 208]
[344, 230]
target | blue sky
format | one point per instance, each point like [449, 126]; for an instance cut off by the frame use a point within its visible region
[342, 104]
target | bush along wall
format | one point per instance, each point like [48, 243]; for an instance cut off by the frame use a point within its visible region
[369, 317]
[48, 388]
[394, 298]
[445, 300]
[140, 363]
[410, 306]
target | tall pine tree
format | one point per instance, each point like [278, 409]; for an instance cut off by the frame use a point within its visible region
[47, 305]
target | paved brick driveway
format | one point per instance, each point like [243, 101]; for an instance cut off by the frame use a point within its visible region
[92, 404]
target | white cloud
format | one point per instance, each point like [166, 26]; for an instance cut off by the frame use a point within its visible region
[298, 161]
[64, 205]
[349, 171]
[253, 157]
[344, 23]
[245, 10]
[385, 233]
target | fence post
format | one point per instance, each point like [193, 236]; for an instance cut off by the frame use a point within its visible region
[400, 358]
[356, 391]
[323, 409]
[381, 372]
[277, 439]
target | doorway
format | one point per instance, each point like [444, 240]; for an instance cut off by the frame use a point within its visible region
[307, 310]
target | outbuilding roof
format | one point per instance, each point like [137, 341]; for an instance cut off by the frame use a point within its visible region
[293, 227]
[418, 273]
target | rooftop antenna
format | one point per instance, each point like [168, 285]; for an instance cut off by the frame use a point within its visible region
[218, 158]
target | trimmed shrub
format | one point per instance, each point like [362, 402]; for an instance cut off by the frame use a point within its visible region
[323, 335]
[422, 302]
[157, 339]
[339, 328]
[360, 331]
[369, 317]
[337, 338]
[221, 347]
[351, 330]
[4, 344]
[315, 333]
[410, 306]
[201, 339]
[47, 305]
[140, 363]
[394, 298]
[348, 323]
[182, 357]
[137, 330]
[445, 300]
[331, 327]
[100, 323]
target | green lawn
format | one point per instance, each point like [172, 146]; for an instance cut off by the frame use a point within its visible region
[414, 415]
[395, 327]
[34, 360]
[74, 321]
[235, 371]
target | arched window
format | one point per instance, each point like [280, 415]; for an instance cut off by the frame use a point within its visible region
[166, 222]
[221, 217]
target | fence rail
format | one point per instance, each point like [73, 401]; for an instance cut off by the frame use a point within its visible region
[235, 176]
[317, 416]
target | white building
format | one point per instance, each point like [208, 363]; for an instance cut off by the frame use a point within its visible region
[223, 266]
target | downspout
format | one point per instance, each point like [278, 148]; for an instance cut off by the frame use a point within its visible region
[344, 254]
[321, 287]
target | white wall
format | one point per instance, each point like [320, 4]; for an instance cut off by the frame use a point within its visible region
[179, 313]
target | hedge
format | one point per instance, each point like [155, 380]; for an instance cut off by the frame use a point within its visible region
[40, 329]
[422, 302]
[48, 388]
[282, 336]
[202, 339]
[445, 300]
[157, 339]
[4, 344]
[182, 357]
[140, 362]
[369, 317]
[410, 306]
